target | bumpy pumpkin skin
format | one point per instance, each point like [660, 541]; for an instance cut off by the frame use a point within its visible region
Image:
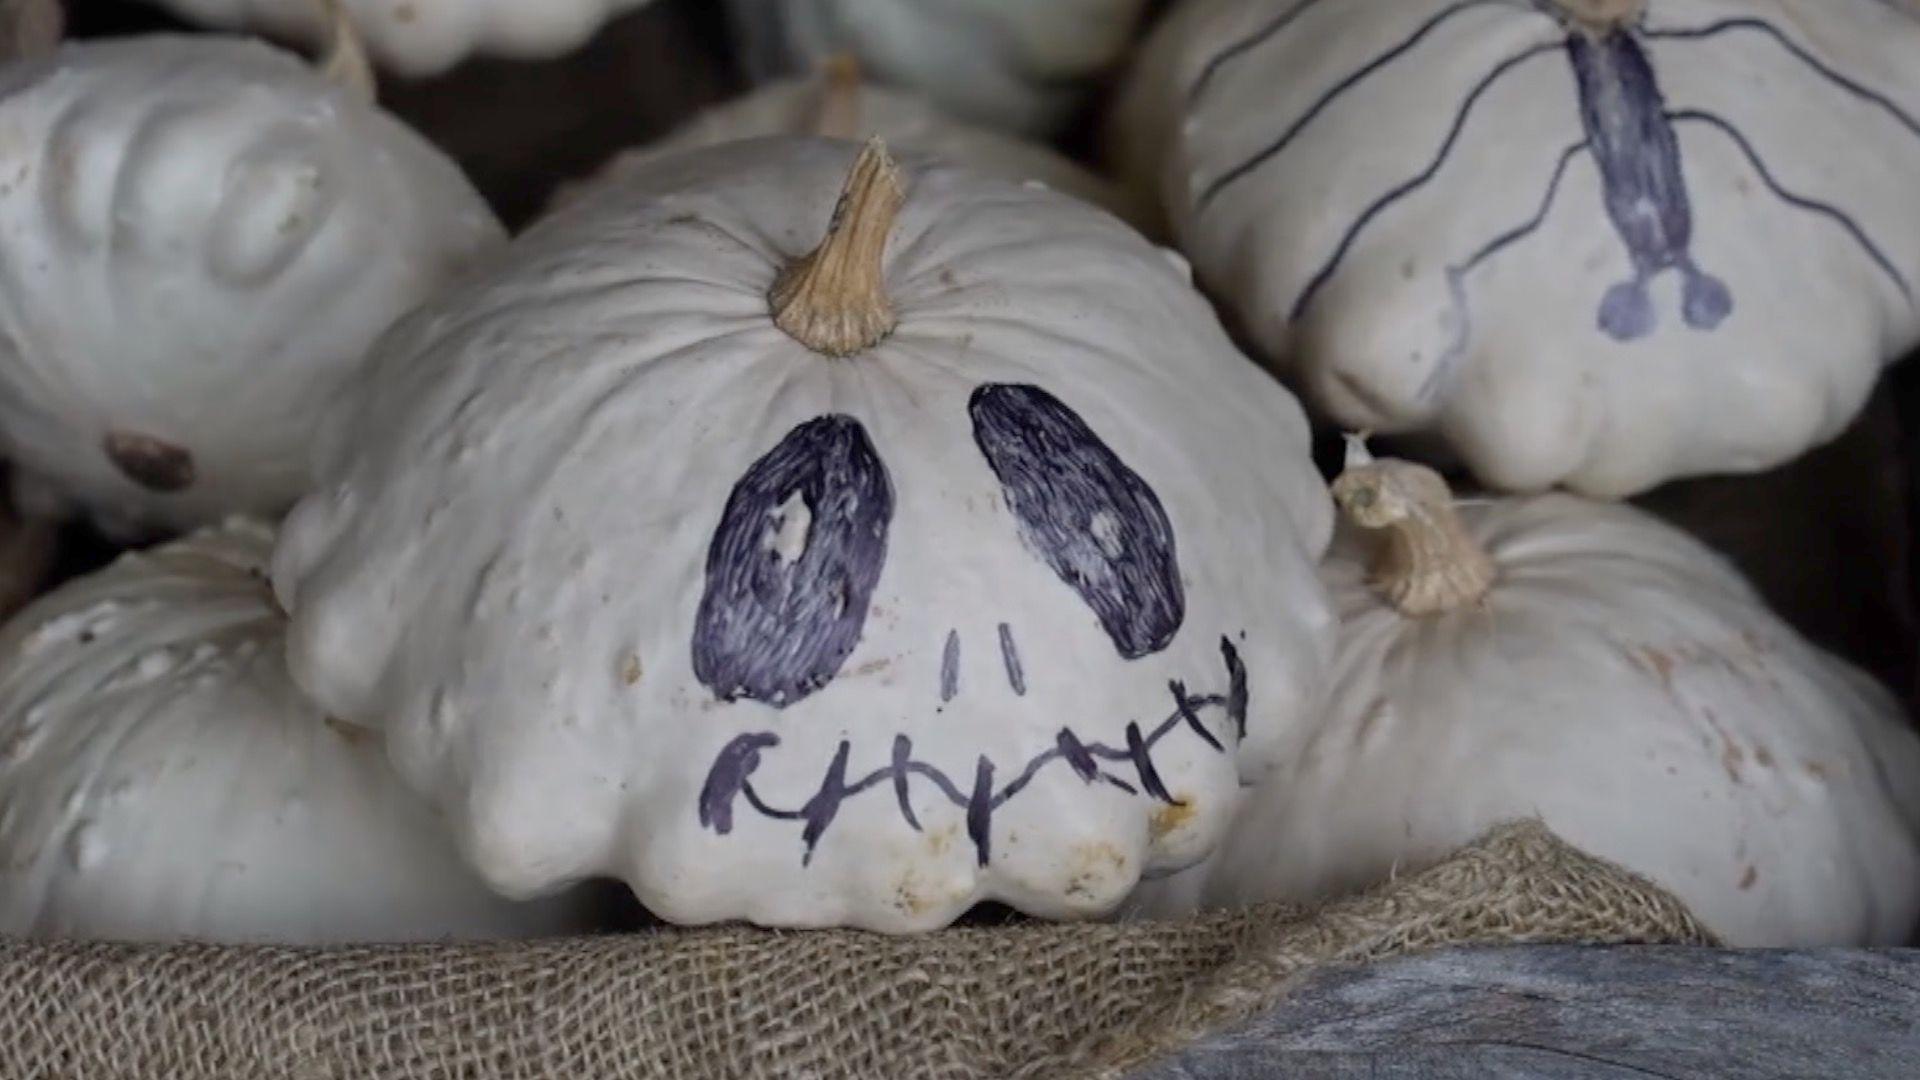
[906, 121]
[162, 777]
[424, 37]
[1622, 683]
[532, 556]
[202, 237]
[1024, 66]
[1402, 202]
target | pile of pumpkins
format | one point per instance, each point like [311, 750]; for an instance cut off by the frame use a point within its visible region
[845, 512]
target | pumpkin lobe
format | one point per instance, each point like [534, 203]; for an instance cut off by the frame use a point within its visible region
[834, 299]
[1426, 564]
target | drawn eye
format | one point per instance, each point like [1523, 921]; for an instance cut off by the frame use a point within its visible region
[1094, 521]
[793, 564]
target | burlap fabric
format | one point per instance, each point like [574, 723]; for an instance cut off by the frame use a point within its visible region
[1024, 1000]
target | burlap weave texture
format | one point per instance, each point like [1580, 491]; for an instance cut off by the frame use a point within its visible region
[1016, 1001]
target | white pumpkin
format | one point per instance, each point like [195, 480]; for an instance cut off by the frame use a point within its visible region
[201, 238]
[161, 777]
[1598, 243]
[961, 559]
[836, 103]
[423, 37]
[1587, 665]
[1026, 65]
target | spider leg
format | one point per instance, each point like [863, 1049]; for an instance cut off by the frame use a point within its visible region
[1320, 105]
[1832, 213]
[1799, 52]
[1458, 273]
[1418, 181]
[1705, 300]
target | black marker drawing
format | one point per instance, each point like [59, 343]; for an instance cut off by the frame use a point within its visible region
[1010, 656]
[1628, 131]
[793, 564]
[950, 667]
[731, 776]
[1092, 519]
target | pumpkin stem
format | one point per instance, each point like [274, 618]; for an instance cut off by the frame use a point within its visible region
[1602, 16]
[837, 115]
[345, 64]
[30, 28]
[1426, 564]
[834, 300]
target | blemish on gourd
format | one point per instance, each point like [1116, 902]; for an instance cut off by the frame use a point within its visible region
[1096, 868]
[1731, 756]
[152, 463]
[630, 670]
[1747, 879]
[351, 734]
[1171, 818]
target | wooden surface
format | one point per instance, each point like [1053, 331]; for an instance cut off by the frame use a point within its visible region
[1590, 1014]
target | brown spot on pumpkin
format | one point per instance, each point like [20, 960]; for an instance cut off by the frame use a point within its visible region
[871, 667]
[947, 277]
[1171, 818]
[1098, 874]
[352, 734]
[154, 464]
[1731, 756]
[908, 897]
[1763, 757]
[940, 840]
[1747, 879]
[630, 670]
[1662, 664]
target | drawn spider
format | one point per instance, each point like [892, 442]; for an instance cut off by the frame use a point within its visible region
[1627, 129]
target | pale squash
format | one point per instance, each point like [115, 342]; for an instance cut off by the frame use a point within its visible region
[962, 558]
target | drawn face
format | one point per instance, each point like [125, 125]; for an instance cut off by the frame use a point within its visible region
[801, 545]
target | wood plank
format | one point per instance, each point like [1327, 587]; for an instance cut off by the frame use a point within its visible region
[1573, 1013]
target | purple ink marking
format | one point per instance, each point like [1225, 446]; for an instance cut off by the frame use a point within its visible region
[1422, 179]
[980, 811]
[1141, 754]
[732, 770]
[1236, 687]
[1644, 190]
[1799, 202]
[950, 667]
[775, 622]
[1187, 712]
[1088, 516]
[1326, 100]
[823, 806]
[728, 777]
[1010, 656]
[902, 760]
[1076, 756]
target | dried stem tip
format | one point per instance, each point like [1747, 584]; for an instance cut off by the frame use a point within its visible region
[30, 29]
[834, 300]
[837, 112]
[1426, 564]
[346, 64]
[1602, 16]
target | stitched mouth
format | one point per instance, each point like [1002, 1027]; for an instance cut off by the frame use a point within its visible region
[1129, 767]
